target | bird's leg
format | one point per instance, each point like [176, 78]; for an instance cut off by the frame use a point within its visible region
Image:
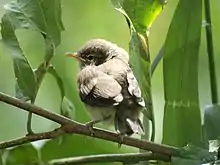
[93, 122]
[90, 125]
[120, 139]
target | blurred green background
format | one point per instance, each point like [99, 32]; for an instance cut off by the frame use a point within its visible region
[83, 20]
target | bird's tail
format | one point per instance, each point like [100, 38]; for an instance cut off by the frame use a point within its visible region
[128, 126]
[135, 125]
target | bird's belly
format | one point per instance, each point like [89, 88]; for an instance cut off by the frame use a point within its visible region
[106, 114]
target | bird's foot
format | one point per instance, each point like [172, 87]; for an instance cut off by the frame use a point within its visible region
[90, 126]
[120, 139]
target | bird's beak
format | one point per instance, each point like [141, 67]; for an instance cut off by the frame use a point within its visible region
[74, 55]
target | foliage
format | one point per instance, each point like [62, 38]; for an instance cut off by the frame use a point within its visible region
[139, 16]
[45, 18]
[182, 122]
[180, 66]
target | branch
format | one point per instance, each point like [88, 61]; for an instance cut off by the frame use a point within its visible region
[104, 158]
[31, 138]
[69, 126]
[34, 109]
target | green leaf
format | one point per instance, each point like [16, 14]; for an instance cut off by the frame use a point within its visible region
[182, 121]
[141, 69]
[51, 10]
[43, 16]
[67, 108]
[52, 14]
[40, 72]
[24, 154]
[140, 65]
[212, 122]
[141, 13]
[26, 14]
[49, 53]
[23, 72]
[19, 94]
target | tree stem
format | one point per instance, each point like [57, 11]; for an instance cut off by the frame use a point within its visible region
[213, 79]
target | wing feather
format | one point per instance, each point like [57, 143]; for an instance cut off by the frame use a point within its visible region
[133, 88]
[98, 89]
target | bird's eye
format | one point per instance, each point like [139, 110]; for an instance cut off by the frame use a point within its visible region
[90, 57]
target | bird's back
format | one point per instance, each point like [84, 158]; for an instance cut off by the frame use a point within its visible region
[127, 114]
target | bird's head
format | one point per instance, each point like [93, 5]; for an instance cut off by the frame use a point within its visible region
[98, 51]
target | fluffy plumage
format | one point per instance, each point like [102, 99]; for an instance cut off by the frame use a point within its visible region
[106, 82]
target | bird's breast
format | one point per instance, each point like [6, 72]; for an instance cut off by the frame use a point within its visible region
[99, 113]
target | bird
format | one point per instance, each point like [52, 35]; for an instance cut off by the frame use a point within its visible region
[108, 87]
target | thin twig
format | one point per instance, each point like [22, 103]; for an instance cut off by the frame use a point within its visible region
[104, 158]
[70, 126]
[34, 109]
[31, 138]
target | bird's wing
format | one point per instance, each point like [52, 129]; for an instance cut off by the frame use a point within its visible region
[133, 87]
[100, 90]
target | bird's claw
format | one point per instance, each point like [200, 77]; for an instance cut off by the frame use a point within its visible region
[120, 139]
[90, 127]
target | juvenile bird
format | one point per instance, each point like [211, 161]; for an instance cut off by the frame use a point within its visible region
[108, 86]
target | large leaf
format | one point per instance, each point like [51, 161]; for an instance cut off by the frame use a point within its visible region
[142, 71]
[182, 121]
[52, 14]
[43, 16]
[23, 72]
[24, 154]
[26, 14]
[140, 14]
